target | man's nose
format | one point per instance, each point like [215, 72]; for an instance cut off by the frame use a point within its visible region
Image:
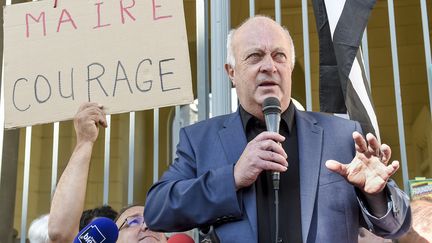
[268, 64]
[144, 227]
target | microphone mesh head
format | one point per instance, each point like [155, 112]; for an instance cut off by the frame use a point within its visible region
[271, 105]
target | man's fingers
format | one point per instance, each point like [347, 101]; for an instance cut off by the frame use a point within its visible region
[272, 166]
[269, 136]
[96, 114]
[270, 145]
[374, 145]
[99, 119]
[360, 142]
[336, 167]
[392, 168]
[273, 157]
[385, 153]
[102, 119]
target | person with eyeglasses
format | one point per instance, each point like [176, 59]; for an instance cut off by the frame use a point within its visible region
[68, 200]
[132, 227]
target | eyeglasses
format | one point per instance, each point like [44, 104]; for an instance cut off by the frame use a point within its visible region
[131, 221]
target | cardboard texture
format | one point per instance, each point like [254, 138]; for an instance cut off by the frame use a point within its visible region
[127, 55]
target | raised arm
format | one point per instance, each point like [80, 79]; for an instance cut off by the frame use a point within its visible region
[68, 201]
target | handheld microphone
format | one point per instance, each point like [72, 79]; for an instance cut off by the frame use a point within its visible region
[180, 238]
[272, 109]
[99, 230]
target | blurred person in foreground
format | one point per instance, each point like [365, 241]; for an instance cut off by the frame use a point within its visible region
[91, 214]
[38, 230]
[421, 228]
[367, 237]
[69, 197]
[336, 180]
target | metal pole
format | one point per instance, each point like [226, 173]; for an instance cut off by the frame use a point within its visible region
[221, 86]
[307, 71]
[56, 130]
[278, 11]
[251, 8]
[398, 96]
[26, 181]
[426, 40]
[107, 160]
[202, 59]
[2, 119]
[131, 157]
[155, 145]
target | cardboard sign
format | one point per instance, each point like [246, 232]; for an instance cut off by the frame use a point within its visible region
[127, 55]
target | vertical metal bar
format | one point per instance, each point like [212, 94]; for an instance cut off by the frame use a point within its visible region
[107, 160]
[56, 130]
[251, 8]
[131, 157]
[306, 52]
[220, 85]
[398, 95]
[155, 145]
[2, 111]
[365, 51]
[278, 17]
[26, 181]
[182, 118]
[202, 59]
[177, 124]
[426, 40]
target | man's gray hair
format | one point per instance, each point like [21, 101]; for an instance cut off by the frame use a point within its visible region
[38, 231]
[230, 59]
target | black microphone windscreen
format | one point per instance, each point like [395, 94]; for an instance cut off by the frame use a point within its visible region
[271, 105]
[99, 230]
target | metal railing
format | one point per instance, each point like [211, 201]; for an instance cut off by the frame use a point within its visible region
[221, 91]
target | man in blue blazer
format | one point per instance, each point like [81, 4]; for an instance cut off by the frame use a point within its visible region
[333, 180]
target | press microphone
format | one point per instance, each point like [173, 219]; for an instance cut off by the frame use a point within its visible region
[99, 230]
[180, 238]
[272, 109]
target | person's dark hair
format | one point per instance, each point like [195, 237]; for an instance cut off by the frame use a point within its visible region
[122, 210]
[103, 211]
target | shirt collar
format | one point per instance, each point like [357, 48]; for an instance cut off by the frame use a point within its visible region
[287, 117]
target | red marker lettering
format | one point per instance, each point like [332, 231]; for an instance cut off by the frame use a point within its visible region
[125, 10]
[154, 12]
[69, 19]
[41, 16]
[99, 17]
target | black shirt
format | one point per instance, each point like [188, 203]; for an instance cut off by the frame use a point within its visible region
[289, 192]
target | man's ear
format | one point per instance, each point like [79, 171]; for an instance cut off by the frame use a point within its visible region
[230, 72]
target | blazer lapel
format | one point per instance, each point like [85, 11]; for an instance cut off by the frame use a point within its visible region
[233, 137]
[310, 146]
[234, 141]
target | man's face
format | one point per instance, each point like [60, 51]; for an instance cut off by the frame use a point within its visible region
[263, 64]
[136, 232]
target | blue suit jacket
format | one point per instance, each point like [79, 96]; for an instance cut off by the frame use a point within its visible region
[198, 189]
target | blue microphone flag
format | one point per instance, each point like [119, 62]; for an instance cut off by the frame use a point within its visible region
[99, 230]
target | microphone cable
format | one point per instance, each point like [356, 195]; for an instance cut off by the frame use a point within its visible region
[276, 179]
